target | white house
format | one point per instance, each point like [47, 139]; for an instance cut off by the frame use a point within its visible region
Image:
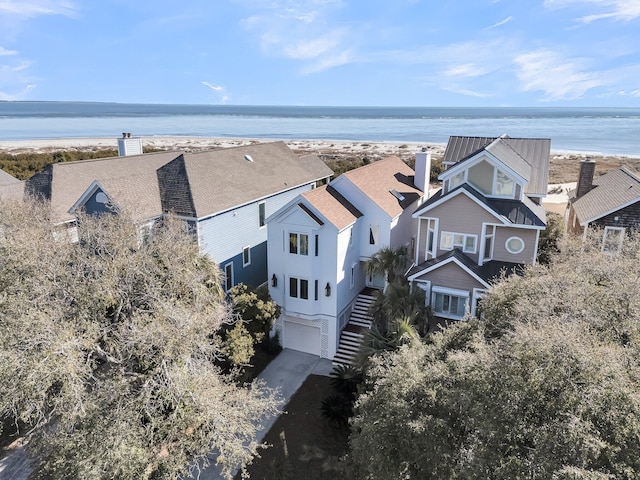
[319, 244]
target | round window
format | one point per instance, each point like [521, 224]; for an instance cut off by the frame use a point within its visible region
[514, 244]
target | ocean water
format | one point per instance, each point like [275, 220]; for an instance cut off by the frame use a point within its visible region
[598, 130]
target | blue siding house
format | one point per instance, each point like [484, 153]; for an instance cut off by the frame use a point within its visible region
[225, 195]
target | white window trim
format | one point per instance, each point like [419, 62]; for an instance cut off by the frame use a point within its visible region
[264, 225]
[514, 252]
[478, 293]
[463, 247]
[298, 243]
[489, 232]
[451, 292]
[247, 249]
[299, 281]
[604, 237]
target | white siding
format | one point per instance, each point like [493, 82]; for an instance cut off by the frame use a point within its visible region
[224, 236]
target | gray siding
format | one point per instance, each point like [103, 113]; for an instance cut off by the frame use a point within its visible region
[452, 276]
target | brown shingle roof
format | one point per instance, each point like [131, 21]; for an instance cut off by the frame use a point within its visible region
[336, 209]
[378, 179]
[612, 191]
[6, 179]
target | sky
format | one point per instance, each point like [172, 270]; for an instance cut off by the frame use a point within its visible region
[548, 53]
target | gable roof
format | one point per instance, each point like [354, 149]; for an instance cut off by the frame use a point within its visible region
[380, 179]
[612, 191]
[205, 183]
[131, 181]
[525, 212]
[336, 209]
[484, 273]
[6, 179]
[529, 157]
[189, 184]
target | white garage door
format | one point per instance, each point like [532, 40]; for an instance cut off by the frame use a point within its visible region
[302, 338]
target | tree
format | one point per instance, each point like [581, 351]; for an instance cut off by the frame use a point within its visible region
[256, 309]
[544, 387]
[388, 262]
[108, 350]
[549, 238]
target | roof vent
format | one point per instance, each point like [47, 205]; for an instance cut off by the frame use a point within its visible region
[397, 194]
[248, 158]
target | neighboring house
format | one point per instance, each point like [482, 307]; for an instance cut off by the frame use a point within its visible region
[320, 242]
[486, 219]
[10, 187]
[610, 202]
[224, 195]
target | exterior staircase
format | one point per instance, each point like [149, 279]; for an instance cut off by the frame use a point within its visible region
[353, 333]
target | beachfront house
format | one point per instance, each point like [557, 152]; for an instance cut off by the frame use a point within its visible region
[319, 244]
[486, 218]
[610, 202]
[224, 195]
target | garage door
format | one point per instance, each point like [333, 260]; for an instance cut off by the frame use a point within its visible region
[302, 338]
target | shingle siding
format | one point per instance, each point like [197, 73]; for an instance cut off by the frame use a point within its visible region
[628, 217]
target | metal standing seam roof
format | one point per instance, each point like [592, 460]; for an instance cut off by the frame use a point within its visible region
[534, 152]
[612, 191]
[336, 209]
[378, 179]
[219, 180]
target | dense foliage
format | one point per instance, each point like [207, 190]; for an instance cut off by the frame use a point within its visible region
[24, 165]
[546, 386]
[108, 350]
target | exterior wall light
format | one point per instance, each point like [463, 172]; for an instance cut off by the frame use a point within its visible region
[327, 290]
[274, 280]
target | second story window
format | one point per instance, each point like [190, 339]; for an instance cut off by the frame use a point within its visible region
[298, 243]
[373, 235]
[262, 213]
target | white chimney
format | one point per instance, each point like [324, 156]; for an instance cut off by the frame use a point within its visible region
[423, 171]
[128, 145]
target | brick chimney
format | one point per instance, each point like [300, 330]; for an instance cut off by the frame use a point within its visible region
[585, 178]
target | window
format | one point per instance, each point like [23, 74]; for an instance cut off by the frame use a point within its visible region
[352, 281]
[299, 287]
[262, 213]
[299, 243]
[246, 256]
[350, 236]
[488, 242]
[315, 290]
[228, 276]
[317, 249]
[465, 242]
[612, 240]
[373, 234]
[514, 245]
[456, 180]
[504, 185]
[449, 303]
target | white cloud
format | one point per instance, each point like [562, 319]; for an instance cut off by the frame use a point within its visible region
[500, 23]
[20, 95]
[558, 78]
[36, 8]
[624, 10]
[4, 52]
[328, 62]
[313, 48]
[215, 88]
[465, 70]
[468, 93]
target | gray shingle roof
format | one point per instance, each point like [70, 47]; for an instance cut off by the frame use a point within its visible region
[222, 179]
[612, 191]
[488, 272]
[529, 157]
[132, 183]
[190, 184]
[6, 179]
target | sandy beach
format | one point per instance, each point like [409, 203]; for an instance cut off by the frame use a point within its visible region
[562, 175]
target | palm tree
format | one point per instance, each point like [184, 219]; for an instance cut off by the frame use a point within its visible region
[388, 262]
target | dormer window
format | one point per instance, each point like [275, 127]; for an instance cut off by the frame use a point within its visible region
[489, 180]
[504, 185]
[456, 180]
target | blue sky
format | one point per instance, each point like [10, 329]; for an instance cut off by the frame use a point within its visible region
[323, 52]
